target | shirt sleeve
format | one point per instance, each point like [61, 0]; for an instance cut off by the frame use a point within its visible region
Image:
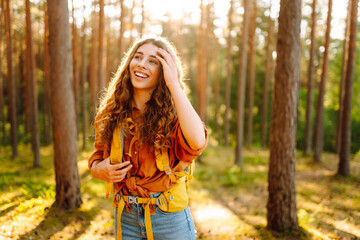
[99, 148]
[182, 150]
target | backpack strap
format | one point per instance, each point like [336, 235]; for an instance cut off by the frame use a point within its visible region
[163, 164]
[116, 154]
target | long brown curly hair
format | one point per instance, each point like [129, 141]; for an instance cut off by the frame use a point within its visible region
[115, 106]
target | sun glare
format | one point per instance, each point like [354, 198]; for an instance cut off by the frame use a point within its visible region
[158, 11]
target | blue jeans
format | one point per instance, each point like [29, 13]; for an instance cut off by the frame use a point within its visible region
[165, 225]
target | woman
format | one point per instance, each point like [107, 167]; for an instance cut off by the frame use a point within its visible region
[146, 101]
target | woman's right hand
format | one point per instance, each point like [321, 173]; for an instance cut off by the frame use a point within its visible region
[108, 172]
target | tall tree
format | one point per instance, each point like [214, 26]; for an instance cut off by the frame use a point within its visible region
[2, 116]
[265, 107]
[101, 48]
[319, 120]
[202, 67]
[141, 28]
[281, 205]
[242, 85]
[82, 83]
[216, 87]
[47, 88]
[342, 80]
[131, 23]
[310, 85]
[31, 88]
[228, 76]
[10, 82]
[93, 76]
[76, 81]
[122, 30]
[63, 111]
[251, 75]
[344, 161]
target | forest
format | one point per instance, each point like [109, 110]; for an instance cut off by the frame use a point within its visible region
[276, 83]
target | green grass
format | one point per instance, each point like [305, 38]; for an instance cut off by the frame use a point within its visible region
[227, 202]
[328, 205]
[27, 201]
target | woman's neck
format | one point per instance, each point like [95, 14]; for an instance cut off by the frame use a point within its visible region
[141, 98]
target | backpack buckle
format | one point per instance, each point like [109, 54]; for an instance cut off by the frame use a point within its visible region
[132, 199]
[167, 170]
[160, 201]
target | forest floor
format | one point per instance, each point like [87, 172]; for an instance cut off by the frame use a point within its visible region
[226, 202]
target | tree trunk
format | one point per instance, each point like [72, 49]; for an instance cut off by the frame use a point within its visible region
[344, 161]
[267, 81]
[281, 205]
[10, 82]
[131, 22]
[93, 81]
[319, 120]
[47, 88]
[141, 28]
[216, 89]
[2, 105]
[200, 64]
[101, 65]
[342, 80]
[76, 81]
[63, 111]
[83, 85]
[228, 77]
[33, 103]
[122, 30]
[310, 85]
[242, 86]
[252, 51]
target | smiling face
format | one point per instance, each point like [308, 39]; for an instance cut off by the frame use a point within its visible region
[145, 69]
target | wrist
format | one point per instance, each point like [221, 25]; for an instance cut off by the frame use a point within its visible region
[174, 87]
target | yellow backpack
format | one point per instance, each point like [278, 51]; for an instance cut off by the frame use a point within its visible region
[173, 200]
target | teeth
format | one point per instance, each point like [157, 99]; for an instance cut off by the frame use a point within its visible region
[140, 74]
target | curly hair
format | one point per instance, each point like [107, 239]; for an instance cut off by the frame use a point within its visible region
[115, 106]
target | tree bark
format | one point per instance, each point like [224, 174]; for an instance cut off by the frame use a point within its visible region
[342, 80]
[83, 78]
[241, 86]
[228, 77]
[63, 111]
[122, 30]
[93, 80]
[10, 82]
[252, 51]
[76, 81]
[33, 103]
[2, 105]
[267, 81]
[281, 205]
[310, 85]
[202, 65]
[216, 88]
[47, 88]
[141, 28]
[344, 161]
[319, 120]
[131, 24]
[101, 65]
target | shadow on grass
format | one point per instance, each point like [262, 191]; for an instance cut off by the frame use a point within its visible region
[261, 231]
[57, 219]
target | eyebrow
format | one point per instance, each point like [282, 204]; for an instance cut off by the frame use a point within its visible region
[153, 56]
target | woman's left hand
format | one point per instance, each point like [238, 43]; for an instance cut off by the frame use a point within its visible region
[168, 62]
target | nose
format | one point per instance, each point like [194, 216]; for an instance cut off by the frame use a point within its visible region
[142, 63]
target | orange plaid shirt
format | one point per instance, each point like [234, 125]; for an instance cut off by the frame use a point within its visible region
[144, 177]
